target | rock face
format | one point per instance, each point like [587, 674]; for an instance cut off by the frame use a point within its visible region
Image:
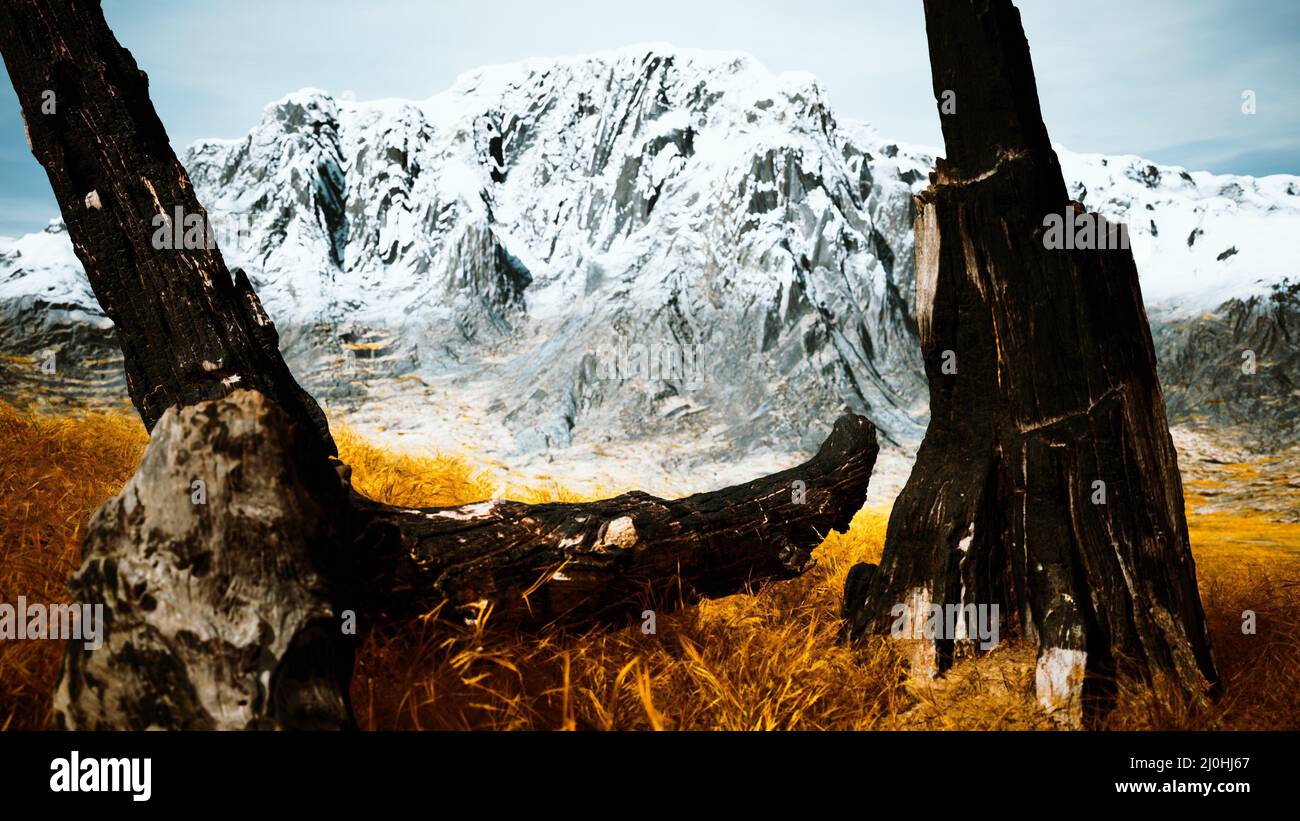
[211, 566]
[1237, 366]
[555, 232]
[650, 243]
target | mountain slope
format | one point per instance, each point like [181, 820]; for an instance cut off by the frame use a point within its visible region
[647, 244]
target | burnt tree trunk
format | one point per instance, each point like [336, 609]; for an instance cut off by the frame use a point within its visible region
[188, 331]
[214, 628]
[1047, 483]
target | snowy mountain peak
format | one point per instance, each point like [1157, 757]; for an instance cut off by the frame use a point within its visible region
[513, 236]
[1199, 238]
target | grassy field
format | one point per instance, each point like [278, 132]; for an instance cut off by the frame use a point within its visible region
[762, 661]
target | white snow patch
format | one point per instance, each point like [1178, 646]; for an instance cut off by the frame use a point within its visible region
[1058, 680]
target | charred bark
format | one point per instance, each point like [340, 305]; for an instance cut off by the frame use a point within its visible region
[1047, 484]
[577, 563]
[181, 654]
[188, 330]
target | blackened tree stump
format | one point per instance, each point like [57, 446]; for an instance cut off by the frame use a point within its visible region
[1047, 483]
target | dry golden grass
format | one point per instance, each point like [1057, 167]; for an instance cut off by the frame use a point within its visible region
[762, 661]
[54, 473]
[1244, 562]
[767, 661]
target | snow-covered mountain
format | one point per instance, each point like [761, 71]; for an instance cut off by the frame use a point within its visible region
[1199, 238]
[649, 243]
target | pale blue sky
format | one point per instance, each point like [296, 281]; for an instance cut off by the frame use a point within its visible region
[1161, 78]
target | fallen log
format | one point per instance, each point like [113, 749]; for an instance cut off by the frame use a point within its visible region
[1047, 487]
[221, 612]
[565, 563]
